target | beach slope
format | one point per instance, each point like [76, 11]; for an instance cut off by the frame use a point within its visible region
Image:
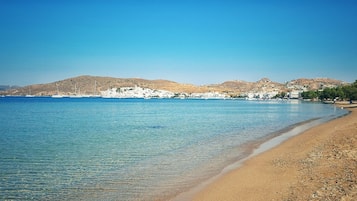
[319, 164]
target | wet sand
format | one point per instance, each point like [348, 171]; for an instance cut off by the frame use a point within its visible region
[319, 164]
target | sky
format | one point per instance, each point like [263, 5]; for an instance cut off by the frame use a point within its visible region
[187, 41]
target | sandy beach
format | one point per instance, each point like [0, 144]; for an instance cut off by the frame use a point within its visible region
[319, 164]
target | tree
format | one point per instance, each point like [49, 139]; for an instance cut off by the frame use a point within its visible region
[309, 95]
[340, 93]
[328, 94]
[345, 92]
[351, 92]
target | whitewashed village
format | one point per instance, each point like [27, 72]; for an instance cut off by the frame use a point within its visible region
[146, 93]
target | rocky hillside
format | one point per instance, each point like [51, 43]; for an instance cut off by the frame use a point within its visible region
[87, 85]
[240, 87]
[313, 84]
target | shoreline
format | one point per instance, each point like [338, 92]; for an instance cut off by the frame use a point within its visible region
[224, 187]
[252, 149]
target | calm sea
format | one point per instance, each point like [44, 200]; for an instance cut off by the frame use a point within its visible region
[130, 149]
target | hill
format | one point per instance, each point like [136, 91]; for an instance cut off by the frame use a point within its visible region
[93, 85]
[241, 87]
[313, 84]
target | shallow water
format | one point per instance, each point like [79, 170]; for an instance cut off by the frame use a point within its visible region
[130, 149]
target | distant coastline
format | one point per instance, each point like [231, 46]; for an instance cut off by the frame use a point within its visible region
[8, 87]
[94, 86]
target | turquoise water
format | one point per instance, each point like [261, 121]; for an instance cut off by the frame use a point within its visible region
[130, 149]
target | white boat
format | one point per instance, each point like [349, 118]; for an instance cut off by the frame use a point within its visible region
[57, 95]
[95, 95]
[75, 92]
[76, 96]
[29, 95]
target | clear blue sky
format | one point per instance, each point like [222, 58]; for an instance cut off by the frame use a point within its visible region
[198, 42]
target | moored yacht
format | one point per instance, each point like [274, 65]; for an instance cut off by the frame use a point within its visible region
[57, 95]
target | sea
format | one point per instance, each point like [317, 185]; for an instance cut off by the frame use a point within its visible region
[133, 149]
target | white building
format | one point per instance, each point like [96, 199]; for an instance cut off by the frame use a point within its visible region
[136, 92]
[295, 94]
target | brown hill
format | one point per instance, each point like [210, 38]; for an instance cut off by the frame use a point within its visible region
[92, 85]
[86, 85]
[313, 84]
[240, 87]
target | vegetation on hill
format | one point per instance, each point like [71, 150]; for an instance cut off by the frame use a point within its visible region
[347, 92]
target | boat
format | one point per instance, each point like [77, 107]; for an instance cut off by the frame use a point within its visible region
[75, 93]
[95, 95]
[29, 95]
[57, 95]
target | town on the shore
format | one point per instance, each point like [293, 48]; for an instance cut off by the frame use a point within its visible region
[322, 89]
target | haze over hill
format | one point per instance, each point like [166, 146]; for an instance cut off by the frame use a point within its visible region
[94, 85]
